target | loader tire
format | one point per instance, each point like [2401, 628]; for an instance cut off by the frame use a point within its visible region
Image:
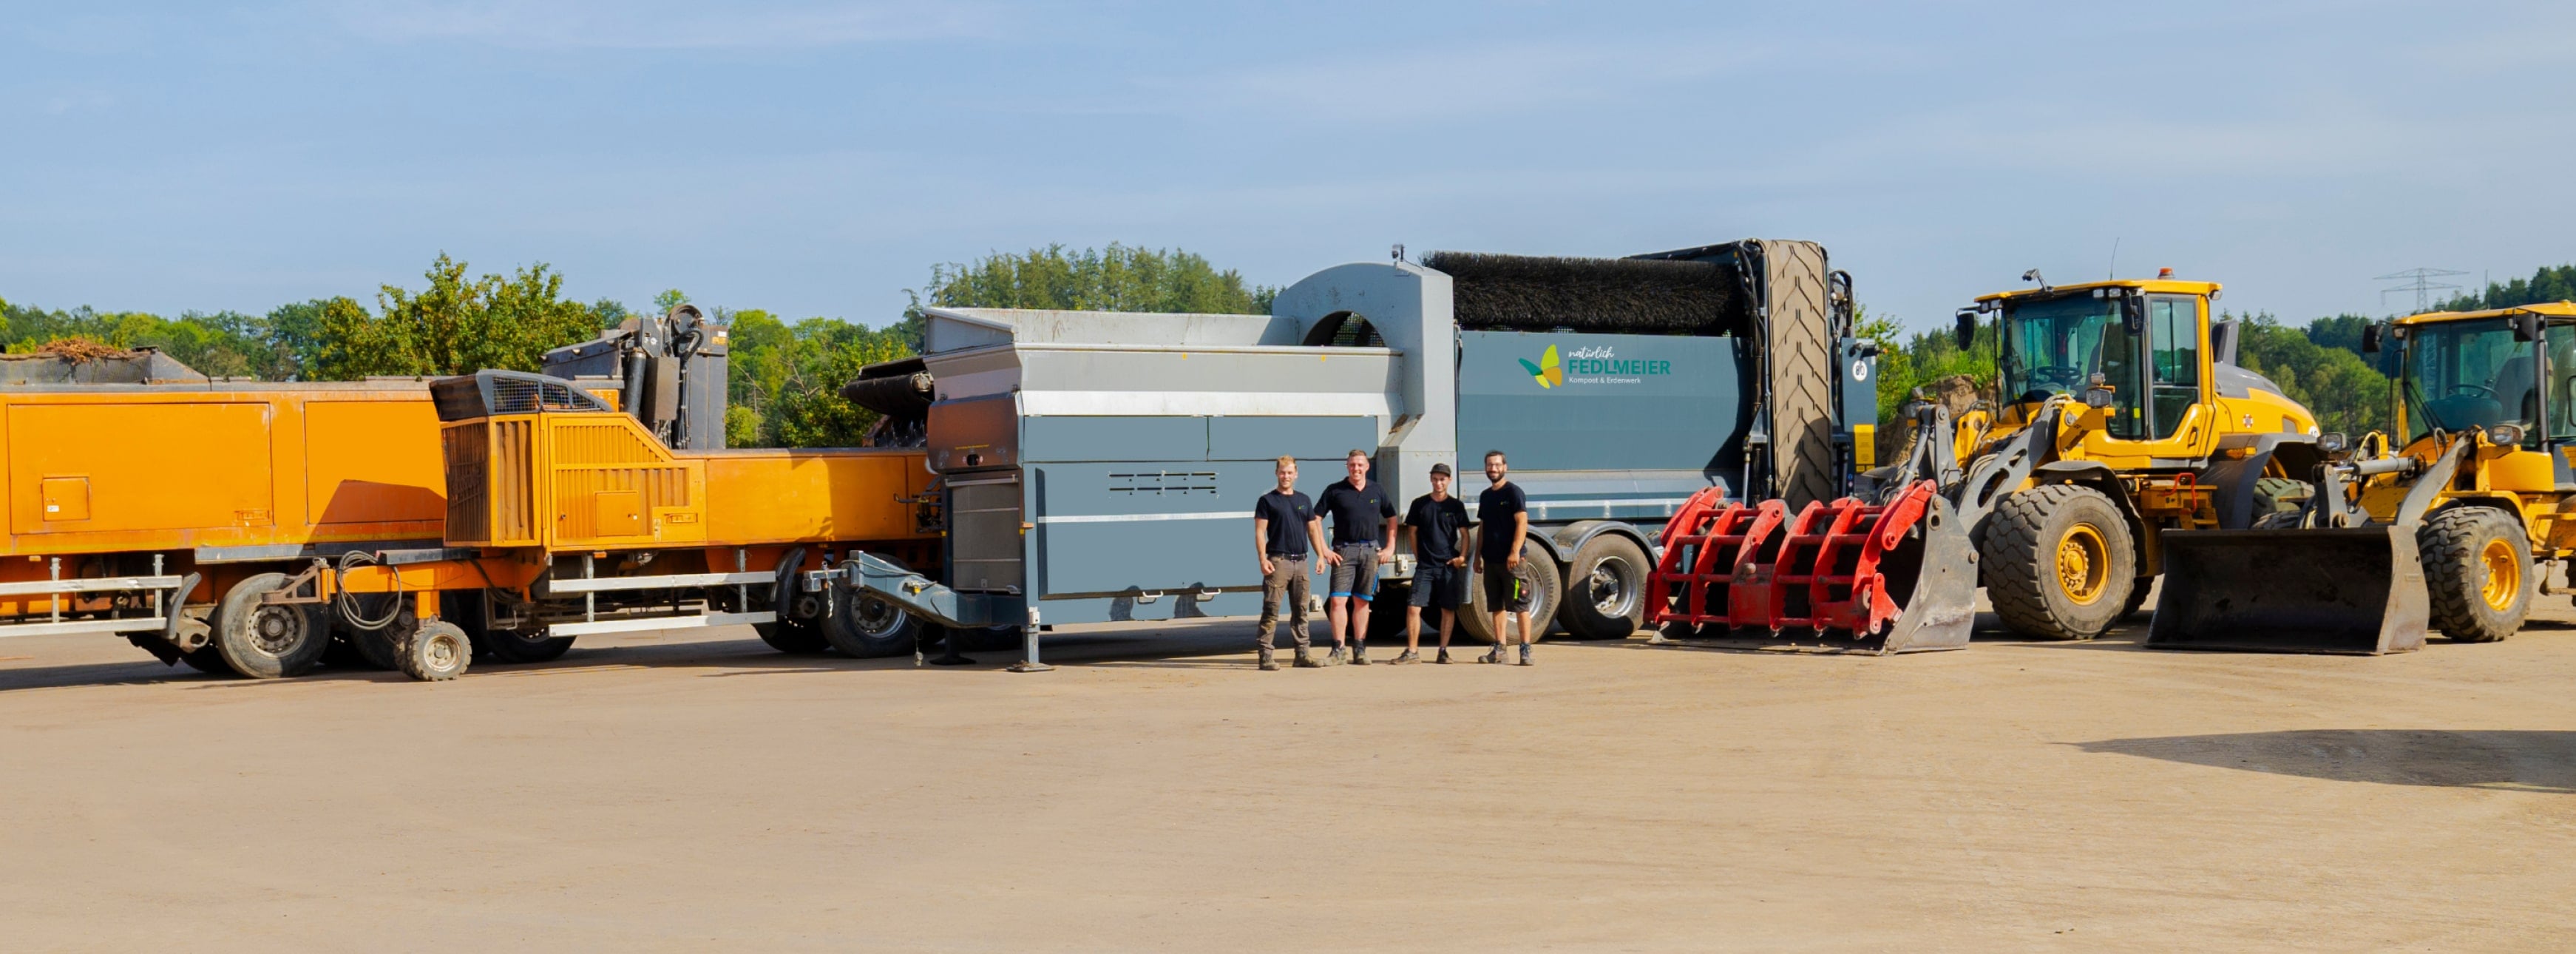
[2059, 562]
[1605, 589]
[2277, 494]
[1476, 620]
[2278, 520]
[269, 640]
[2138, 590]
[2477, 567]
[435, 651]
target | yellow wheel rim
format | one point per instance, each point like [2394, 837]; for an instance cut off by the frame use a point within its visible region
[2504, 575]
[2083, 564]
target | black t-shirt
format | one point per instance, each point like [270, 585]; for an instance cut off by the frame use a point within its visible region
[1357, 515]
[1436, 524]
[1494, 509]
[1287, 514]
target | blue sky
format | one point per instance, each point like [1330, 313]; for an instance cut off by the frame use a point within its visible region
[818, 158]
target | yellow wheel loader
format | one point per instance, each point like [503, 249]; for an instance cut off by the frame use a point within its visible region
[2121, 416]
[2449, 531]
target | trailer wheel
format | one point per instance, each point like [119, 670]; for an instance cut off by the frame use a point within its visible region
[1386, 611]
[864, 627]
[435, 651]
[1605, 589]
[2059, 563]
[265, 640]
[1475, 620]
[2477, 567]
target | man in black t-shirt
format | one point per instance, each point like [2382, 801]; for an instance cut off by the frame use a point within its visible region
[1434, 526]
[1502, 517]
[1363, 522]
[1283, 524]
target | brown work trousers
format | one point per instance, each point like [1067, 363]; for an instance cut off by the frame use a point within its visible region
[1287, 580]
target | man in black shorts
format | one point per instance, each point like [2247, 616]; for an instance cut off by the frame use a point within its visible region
[1363, 521]
[1283, 522]
[1502, 515]
[1433, 526]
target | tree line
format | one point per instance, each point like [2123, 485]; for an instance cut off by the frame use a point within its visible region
[783, 380]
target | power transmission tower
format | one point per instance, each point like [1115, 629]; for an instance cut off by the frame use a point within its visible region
[2421, 282]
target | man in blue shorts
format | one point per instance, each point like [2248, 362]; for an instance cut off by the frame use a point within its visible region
[1363, 523]
[1433, 526]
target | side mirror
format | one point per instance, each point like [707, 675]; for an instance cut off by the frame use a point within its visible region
[2222, 341]
[2370, 337]
[2526, 326]
[1967, 331]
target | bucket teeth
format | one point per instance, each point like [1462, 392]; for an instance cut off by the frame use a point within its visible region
[1846, 574]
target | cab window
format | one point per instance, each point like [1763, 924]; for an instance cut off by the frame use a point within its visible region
[2173, 326]
[2562, 381]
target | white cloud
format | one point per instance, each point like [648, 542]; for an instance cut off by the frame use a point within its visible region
[660, 25]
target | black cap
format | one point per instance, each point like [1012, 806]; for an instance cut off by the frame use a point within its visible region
[1441, 469]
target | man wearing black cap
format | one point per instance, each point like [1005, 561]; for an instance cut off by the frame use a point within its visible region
[1432, 526]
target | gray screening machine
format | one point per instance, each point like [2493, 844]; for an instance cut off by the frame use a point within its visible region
[1101, 466]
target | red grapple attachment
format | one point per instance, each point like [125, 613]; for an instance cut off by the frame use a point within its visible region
[1845, 575]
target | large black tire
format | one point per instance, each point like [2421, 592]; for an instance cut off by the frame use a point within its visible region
[2138, 591]
[1605, 589]
[1475, 620]
[2278, 494]
[1386, 611]
[530, 646]
[800, 637]
[2477, 567]
[265, 640]
[435, 651]
[2059, 562]
[374, 648]
[864, 627]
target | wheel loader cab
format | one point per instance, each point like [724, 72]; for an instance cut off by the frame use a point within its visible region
[2509, 374]
[2138, 352]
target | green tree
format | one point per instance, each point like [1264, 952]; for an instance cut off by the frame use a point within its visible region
[454, 326]
[1116, 278]
[2345, 392]
[2553, 283]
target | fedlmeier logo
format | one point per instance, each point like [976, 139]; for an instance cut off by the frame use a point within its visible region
[1595, 365]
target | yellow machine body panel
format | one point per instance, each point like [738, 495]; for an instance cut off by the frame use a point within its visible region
[163, 469]
[569, 482]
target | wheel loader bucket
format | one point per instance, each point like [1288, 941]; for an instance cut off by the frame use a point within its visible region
[2357, 590]
[1845, 575]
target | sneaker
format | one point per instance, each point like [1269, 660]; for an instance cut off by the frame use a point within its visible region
[1306, 662]
[1409, 656]
[1443, 659]
[1525, 650]
[1335, 659]
[1493, 656]
[1359, 655]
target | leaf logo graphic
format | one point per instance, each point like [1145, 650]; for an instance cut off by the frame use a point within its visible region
[1546, 371]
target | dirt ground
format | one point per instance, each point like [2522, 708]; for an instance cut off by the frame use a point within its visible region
[701, 792]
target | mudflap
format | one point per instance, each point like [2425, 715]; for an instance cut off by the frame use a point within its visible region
[2354, 591]
[1845, 576]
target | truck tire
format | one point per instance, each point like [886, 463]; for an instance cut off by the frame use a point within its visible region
[208, 660]
[2059, 562]
[373, 648]
[435, 651]
[2477, 567]
[269, 641]
[796, 637]
[1475, 620]
[865, 627]
[1386, 611]
[1605, 589]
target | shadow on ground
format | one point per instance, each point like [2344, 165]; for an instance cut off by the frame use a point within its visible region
[2520, 760]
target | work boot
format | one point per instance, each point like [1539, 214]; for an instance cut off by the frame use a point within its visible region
[1359, 654]
[1305, 661]
[1408, 656]
[1268, 664]
[1336, 658]
[1525, 651]
[1443, 658]
[1494, 655]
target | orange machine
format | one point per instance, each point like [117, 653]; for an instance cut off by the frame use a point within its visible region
[137, 486]
[568, 518]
